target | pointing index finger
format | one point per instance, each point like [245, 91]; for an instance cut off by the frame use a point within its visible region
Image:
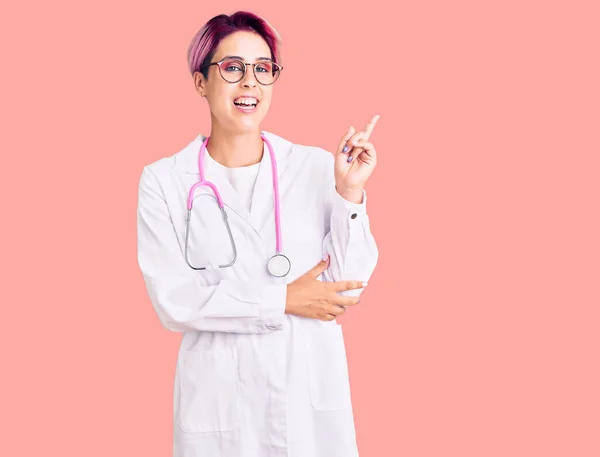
[370, 126]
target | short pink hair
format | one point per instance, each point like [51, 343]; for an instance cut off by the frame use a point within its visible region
[204, 44]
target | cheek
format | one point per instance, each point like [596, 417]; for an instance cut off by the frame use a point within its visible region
[221, 94]
[221, 104]
[266, 101]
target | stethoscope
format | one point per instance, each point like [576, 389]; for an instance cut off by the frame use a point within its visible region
[278, 265]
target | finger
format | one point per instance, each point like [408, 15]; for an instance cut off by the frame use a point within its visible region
[336, 310]
[363, 147]
[342, 300]
[370, 126]
[319, 268]
[344, 139]
[352, 146]
[364, 144]
[355, 152]
[352, 141]
[364, 157]
[340, 286]
[366, 151]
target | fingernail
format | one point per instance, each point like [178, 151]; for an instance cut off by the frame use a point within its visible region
[365, 284]
[345, 149]
[349, 158]
[325, 257]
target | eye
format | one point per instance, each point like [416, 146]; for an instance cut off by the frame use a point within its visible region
[232, 66]
[264, 67]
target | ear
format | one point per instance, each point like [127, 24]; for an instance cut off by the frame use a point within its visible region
[200, 83]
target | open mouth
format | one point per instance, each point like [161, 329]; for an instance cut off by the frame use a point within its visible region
[246, 102]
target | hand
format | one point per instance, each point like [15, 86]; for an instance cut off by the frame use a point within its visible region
[355, 160]
[309, 297]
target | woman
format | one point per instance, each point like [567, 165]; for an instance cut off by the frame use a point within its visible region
[262, 369]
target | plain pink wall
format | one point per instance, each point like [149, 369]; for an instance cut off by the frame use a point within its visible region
[478, 333]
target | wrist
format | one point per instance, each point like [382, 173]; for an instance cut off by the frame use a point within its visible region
[352, 195]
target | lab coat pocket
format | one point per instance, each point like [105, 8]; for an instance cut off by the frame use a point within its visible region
[209, 393]
[329, 383]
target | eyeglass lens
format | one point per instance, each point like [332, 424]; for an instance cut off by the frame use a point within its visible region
[233, 70]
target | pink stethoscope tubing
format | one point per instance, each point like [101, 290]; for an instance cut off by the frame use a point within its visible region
[204, 182]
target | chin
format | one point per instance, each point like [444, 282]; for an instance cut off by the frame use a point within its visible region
[246, 125]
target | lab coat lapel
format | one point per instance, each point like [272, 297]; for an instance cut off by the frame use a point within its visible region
[231, 199]
[262, 208]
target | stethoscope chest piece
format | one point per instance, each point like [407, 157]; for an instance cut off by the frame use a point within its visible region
[279, 265]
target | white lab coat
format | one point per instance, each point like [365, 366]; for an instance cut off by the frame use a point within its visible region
[250, 380]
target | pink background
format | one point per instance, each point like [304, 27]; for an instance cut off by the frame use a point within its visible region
[478, 333]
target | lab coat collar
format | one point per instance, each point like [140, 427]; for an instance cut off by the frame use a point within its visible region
[186, 160]
[262, 208]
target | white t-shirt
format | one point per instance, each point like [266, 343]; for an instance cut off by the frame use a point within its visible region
[241, 178]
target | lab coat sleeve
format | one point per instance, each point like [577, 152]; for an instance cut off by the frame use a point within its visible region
[180, 301]
[352, 250]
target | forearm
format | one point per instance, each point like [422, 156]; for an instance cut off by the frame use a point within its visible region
[349, 243]
[182, 304]
[180, 300]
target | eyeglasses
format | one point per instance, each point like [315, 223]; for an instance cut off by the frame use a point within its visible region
[233, 70]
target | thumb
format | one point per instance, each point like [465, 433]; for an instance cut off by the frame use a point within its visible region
[319, 268]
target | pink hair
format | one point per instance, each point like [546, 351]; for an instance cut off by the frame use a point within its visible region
[204, 44]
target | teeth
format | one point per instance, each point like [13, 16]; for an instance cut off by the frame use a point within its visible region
[246, 101]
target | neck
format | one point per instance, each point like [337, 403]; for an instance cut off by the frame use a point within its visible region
[235, 149]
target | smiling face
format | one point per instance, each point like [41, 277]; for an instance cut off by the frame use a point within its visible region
[228, 101]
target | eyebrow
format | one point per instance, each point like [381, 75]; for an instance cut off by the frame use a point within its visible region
[241, 58]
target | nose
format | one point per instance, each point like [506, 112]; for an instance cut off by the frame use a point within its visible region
[249, 79]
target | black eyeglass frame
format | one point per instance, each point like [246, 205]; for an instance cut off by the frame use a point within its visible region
[220, 62]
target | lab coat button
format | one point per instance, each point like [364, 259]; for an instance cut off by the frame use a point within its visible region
[353, 216]
[271, 327]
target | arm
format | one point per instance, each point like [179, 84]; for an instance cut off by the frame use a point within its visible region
[349, 242]
[180, 301]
